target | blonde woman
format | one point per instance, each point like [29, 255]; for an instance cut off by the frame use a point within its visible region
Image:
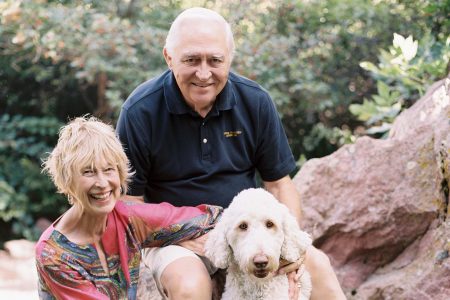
[93, 250]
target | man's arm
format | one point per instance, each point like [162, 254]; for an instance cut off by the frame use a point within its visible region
[324, 280]
[139, 199]
[285, 191]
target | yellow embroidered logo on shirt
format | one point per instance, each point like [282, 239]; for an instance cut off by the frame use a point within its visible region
[232, 133]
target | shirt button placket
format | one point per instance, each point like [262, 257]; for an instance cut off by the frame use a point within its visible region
[205, 145]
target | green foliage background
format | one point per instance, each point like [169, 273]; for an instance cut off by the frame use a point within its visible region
[330, 66]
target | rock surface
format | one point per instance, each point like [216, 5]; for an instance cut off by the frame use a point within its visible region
[380, 208]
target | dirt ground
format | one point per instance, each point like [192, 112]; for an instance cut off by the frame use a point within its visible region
[18, 276]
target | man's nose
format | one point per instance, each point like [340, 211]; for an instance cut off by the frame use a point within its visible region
[203, 72]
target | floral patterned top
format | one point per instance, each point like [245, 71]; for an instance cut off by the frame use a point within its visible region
[70, 271]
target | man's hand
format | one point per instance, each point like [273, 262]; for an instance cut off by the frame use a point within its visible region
[290, 269]
[196, 245]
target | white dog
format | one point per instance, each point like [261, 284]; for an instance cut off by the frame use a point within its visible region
[255, 231]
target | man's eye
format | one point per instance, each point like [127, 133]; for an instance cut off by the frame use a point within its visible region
[190, 60]
[216, 60]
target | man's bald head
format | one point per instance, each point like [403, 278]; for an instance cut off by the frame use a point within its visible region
[197, 14]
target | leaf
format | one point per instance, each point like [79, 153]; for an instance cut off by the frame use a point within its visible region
[381, 101]
[385, 127]
[364, 111]
[383, 89]
[366, 65]
[398, 40]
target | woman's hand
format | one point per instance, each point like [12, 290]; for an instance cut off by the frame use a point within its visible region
[195, 245]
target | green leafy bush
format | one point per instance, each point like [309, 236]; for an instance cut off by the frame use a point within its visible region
[25, 193]
[61, 59]
[93, 52]
[307, 54]
[58, 60]
[403, 74]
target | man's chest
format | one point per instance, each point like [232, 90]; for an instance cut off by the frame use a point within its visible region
[186, 146]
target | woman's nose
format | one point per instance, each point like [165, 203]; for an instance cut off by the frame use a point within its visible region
[101, 181]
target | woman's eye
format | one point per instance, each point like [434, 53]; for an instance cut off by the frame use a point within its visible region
[243, 226]
[88, 172]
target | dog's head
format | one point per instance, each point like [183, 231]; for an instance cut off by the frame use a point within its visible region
[254, 232]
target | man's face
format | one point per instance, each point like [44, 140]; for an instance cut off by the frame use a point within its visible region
[200, 61]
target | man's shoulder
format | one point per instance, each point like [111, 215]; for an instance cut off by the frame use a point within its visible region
[244, 81]
[151, 89]
[250, 92]
[245, 84]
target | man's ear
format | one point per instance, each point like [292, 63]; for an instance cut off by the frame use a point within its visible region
[167, 57]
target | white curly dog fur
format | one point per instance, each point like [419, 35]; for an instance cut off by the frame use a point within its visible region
[254, 232]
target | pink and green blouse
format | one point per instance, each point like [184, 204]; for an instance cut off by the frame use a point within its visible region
[70, 271]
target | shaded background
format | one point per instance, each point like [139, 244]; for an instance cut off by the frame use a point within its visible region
[335, 69]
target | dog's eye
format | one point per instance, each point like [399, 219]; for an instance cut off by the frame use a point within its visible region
[269, 224]
[243, 226]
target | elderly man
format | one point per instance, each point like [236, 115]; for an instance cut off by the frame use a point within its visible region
[199, 132]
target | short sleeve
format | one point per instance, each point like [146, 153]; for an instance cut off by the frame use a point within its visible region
[274, 158]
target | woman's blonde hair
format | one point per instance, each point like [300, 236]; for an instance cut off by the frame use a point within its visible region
[81, 143]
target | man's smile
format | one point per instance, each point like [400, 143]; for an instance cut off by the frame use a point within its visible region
[202, 85]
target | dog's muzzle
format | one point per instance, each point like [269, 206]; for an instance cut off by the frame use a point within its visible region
[260, 263]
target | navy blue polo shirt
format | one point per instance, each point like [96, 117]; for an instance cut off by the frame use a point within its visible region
[185, 159]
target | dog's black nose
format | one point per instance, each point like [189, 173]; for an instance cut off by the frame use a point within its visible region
[260, 265]
[260, 261]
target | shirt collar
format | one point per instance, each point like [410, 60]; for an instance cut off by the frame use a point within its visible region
[176, 104]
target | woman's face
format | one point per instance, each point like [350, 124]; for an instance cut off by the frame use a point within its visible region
[98, 187]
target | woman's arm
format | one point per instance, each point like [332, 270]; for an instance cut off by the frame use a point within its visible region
[163, 224]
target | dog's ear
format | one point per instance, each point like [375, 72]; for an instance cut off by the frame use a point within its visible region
[295, 241]
[217, 249]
